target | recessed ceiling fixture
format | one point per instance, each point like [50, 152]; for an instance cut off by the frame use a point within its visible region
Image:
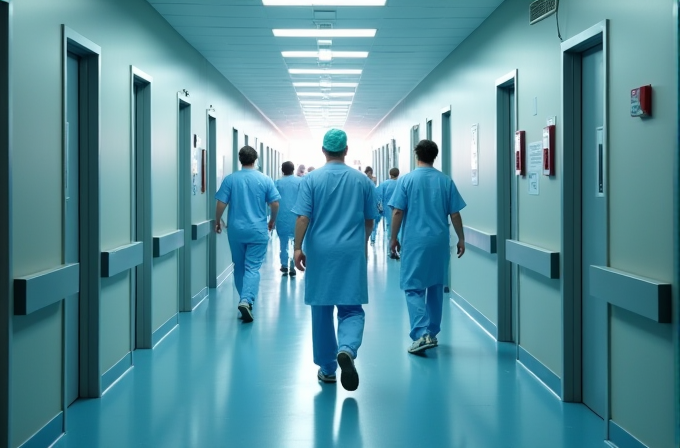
[324, 2]
[325, 102]
[324, 71]
[325, 84]
[326, 53]
[323, 33]
[330, 95]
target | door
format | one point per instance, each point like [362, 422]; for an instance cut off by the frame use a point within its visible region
[446, 169]
[234, 152]
[71, 223]
[594, 231]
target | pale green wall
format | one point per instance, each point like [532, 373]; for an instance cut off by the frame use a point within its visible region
[641, 160]
[129, 32]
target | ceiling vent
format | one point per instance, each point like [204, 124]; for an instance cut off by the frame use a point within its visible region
[540, 9]
[324, 25]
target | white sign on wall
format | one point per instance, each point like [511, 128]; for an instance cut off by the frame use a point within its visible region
[475, 154]
[534, 166]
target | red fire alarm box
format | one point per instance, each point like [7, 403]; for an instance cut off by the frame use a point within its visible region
[641, 102]
[549, 150]
[519, 153]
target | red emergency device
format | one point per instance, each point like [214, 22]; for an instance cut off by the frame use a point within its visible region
[549, 150]
[641, 102]
[519, 153]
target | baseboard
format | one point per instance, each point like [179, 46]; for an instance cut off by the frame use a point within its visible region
[475, 315]
[111, 376]
[622, 438]
[198, 298]
[544, 374]
[225, 274]
[48, 434]
[164, 330]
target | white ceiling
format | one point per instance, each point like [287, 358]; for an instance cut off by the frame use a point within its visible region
[413, 37]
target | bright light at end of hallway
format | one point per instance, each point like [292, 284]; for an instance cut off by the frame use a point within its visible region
[334, 32]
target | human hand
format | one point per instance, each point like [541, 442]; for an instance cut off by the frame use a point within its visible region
[395, 247]
[271, 225]
[300, 260]
[461, 248]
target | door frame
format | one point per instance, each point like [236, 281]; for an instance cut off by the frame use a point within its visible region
[6, 275]
[234, 151]
[676, 230]
[571, 178]
[184, 150]
[211, 186]
[89, 196]
[415, 138]
[141, 214]
[507, 324]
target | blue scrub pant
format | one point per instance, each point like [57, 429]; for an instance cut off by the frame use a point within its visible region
[425, 310]
[247, 258]
[350, 334]
[286, 259]
[375, 228]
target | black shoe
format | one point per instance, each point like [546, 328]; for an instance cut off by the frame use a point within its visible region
[349, 378]
[284, 270]
[292, 273]
[246, 310]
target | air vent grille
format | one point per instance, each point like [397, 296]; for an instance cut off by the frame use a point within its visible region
[540, 9]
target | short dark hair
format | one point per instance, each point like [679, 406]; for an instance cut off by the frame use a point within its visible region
[247, 155]
[367, 169]
[426, 151]
[287, 168]
[394, 172]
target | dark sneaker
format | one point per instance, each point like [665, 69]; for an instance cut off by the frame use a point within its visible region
[349, 378]
[326, 378]
[284, 270]
[292, 273]
[421, 344]
[246, 310]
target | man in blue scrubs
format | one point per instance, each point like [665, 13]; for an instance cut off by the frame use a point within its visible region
[248, 192]
[288, 187]
[385, 191]
[336, 208]
[423, 201]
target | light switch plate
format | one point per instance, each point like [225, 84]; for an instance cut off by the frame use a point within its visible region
[551, 121]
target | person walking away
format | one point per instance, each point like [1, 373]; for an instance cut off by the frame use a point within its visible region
[423, 201]
[247, 192]
[288, 187]
[385, 191]
[336, 208]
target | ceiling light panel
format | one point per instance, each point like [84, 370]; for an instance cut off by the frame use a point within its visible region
[324, 71]
[325, 53]
[322, 84]
[324, 33]
[324, 2]
[330, 95]
[322, 103]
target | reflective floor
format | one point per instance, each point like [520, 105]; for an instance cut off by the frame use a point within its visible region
[215, 382]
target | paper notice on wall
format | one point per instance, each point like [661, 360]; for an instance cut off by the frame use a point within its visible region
[474, 156]
[534, 166]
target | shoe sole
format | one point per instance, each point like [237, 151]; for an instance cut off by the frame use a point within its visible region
[293, 274]
[349, 377]
[246, 314]
[327, 379]
[421, 348]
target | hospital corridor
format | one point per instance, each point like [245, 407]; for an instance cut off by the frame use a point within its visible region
[217, 382]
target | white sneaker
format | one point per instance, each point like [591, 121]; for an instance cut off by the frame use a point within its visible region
[421, 344]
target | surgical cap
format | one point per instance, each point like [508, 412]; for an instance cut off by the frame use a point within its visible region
[335, 140]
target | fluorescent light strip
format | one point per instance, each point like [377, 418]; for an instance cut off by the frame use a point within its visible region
[332, 84]
[317, 54]
[324, 2]
[325, 103]
[324, 33]
[330, 95]
[324, 71]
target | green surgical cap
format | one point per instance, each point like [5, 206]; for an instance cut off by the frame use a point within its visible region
[335, 140]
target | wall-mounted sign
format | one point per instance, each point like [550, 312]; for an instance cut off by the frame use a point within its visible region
[475, 154]
[534, 166]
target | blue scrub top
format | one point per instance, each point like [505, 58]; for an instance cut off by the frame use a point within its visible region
[385, 191]
[427, 198]
[288, 187]
[337, 200]
[247, 192]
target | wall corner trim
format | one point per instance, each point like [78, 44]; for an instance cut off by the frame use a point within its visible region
[474, 314]
[48, 434]
[225, 274]
[42, 289]
[164, 244]
[640, 295]
[481, 240]
[542, 261]
[622, 438]
[122, 258]
[540, 370]
[201, 229]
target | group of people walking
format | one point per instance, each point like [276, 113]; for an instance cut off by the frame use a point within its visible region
[330, 215]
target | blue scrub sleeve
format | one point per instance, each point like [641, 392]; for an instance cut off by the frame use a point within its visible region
[456, 202]
[399, 198]
[370, 202]
[272, 192]
[304, 205]
[224, 193]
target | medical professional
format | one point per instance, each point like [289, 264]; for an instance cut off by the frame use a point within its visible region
[288, 187]
[423, 201]
[247, 192]
[336, 208]
[385, 191]
[369, 173]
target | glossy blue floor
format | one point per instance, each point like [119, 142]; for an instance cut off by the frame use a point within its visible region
[215, 382]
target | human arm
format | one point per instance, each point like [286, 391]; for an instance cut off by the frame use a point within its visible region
[219, 211]
[274, 206]
[368, 226]
[301, 226]
[457, 222]
[397, 217]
